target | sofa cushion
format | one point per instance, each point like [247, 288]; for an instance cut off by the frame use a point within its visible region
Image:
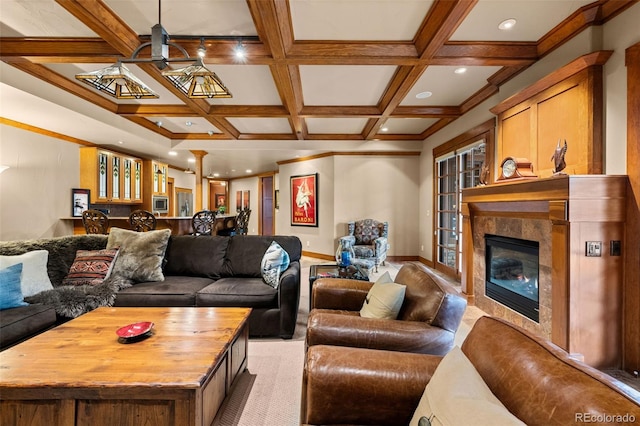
[173, 291]
[141, 253]
[20, 323]
[457, 395]
[384, 299]
[244, 254]
[10, 293]
[274, 262]
[91, 267]
[62, 251]
[34, 277]
[239, 292]
[196, 256]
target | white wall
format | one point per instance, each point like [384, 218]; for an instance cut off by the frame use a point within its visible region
[36, 190]
[384, 188]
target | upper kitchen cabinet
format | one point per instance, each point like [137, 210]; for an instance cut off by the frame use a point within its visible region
[113, 178]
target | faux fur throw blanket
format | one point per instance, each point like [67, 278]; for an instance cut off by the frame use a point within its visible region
[71, 301]
[68, 301]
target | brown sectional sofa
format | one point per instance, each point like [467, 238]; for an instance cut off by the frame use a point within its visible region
[199, 271]
[534, 379]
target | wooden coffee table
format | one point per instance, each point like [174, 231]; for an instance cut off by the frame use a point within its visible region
[79, 374]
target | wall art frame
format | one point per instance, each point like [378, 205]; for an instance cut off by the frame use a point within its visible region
[80, 201]
[304, 200]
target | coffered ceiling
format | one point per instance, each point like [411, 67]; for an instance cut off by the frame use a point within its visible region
[319, 75]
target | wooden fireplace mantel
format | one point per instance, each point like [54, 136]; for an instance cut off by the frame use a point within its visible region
[592, 198]
[585, 292]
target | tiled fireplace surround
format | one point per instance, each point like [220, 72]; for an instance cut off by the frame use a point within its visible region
[525, 229]
[580, 297]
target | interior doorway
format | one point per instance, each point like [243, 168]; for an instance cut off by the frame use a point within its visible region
[266, 224]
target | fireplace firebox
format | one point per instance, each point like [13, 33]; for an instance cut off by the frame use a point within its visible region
[512, 273]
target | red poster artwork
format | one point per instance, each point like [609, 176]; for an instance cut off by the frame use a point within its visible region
[304, 207]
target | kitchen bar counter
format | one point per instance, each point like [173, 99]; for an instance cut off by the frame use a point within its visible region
[179, 225]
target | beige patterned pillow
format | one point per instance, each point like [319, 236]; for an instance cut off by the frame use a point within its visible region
[140, 254]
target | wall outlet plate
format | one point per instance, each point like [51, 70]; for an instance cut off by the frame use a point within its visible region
[594, 249]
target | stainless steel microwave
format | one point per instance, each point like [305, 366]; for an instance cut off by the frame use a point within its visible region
[160, 203]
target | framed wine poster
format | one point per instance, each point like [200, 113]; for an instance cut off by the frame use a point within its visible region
[304, 200]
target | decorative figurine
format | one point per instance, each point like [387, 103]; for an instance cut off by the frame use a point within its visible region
[484, 174]
[558, 158]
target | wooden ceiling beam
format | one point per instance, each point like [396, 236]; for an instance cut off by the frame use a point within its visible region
[273, 23]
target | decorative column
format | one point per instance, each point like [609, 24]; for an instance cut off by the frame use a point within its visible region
[199, 156]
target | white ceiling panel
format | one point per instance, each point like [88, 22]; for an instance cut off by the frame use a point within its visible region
[261, 125]
[377, 20]
[447, 87]
[39, 18]
[344, 84]
[534, 19]
[249, 85]
[413, 126]
[180, 17]
[335, 125]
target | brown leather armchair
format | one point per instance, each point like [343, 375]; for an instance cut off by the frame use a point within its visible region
[427, 322]
[535, 380]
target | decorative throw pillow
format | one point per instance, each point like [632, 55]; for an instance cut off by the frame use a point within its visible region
[10, 293]
[274, 262]
[91, 267]
[457, 395]
[384, 299]
[34, 271]
[140, 253]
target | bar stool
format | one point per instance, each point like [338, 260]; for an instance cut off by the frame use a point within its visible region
[142, 221]
[95, 222]
[202, 222]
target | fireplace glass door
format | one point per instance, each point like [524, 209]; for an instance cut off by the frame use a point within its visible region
[512, 273]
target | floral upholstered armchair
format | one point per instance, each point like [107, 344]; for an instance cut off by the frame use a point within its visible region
[368, 238]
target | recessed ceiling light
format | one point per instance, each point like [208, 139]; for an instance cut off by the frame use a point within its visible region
[460, 70]
[210, 132]
[191, 160]
[507, 24]
[159, 123]
[121, 142]
[188, 123]
[384, 129]
[173, 153]
[423, 95]
[216, 175]
[248, 170]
